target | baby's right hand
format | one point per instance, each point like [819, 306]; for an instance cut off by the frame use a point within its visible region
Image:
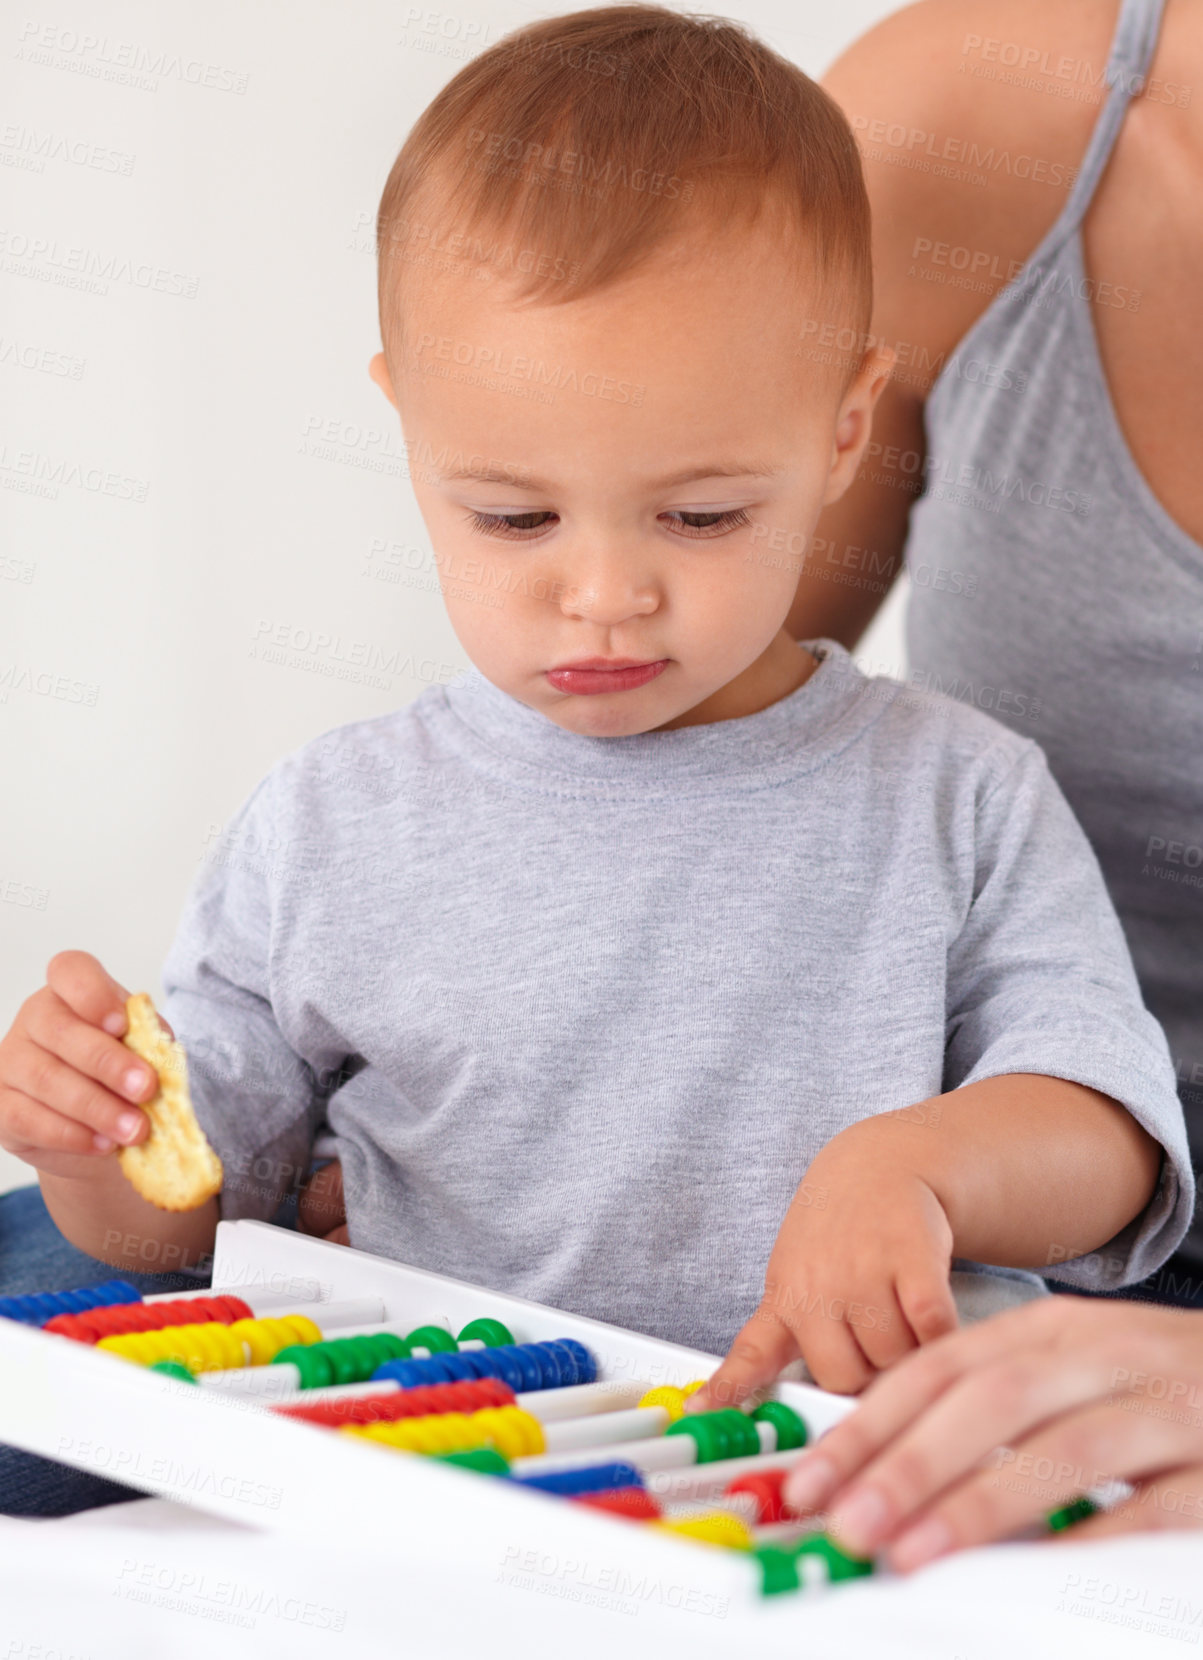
[66, 1079]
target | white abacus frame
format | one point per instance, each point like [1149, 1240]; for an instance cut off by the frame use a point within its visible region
[236, 1459]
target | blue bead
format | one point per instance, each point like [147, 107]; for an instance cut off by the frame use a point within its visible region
[460, 1366]
[406, 1373]
[592, 1478]
[504, 1364]
[565, 1363]
[34, 1309]
[586, 1365]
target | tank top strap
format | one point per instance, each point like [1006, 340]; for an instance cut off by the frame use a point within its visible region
[1133, 44]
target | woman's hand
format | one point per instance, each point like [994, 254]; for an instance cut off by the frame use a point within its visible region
[987, 1430]
[859, 1273]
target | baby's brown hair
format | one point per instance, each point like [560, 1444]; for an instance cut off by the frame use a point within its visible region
[590, 138]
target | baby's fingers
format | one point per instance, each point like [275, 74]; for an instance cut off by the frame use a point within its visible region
[65, 1064]
[31, 1129]
[761, 1348]
[83, 983]
[926, 1299]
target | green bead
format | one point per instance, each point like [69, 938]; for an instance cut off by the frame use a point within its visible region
[727, 1433]
[838, 1563]
[490, 1332]
[434, 1338]
[310, 1362]
[778, 1569]
[346, 1362]
[382, 1346]
[486, 1461]
[1068, 1514]
[791, 1430]
[173, 1369]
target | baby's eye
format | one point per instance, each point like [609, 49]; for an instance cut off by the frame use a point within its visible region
[509, 524]
[709, 524]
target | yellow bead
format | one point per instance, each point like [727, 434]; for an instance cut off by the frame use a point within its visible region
[202, 1348]
[514, 1433]
[717, 1527]
[671, 1398]
[302, 1328]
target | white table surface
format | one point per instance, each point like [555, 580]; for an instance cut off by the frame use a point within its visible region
[149, 1579]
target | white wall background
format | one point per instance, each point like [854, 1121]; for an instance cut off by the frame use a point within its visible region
[187, 197]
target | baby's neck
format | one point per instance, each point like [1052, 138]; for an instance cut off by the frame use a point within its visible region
[774, 675]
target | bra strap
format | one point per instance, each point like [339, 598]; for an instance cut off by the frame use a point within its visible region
[1133, 44]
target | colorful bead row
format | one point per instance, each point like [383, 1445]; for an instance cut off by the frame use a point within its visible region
[513, 1432]
[342, 1359]
[96, 1323]
[339, 1360]
[730, 1433]
[524, 1366]
[214, 1347]
[38, 1307]
[589, 1479]
[471, 1396]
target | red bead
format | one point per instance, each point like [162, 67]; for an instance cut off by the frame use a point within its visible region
[387, 1407]
[95, 1323]
[635, 1502]
[765, 1488]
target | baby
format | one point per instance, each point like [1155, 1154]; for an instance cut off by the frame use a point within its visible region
[659, 968]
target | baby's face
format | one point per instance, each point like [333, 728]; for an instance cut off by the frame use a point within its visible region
[652, 512]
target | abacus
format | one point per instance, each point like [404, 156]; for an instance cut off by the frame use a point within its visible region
[311, 1372]
[303, 1384]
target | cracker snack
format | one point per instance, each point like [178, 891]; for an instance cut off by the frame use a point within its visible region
[175, 1167]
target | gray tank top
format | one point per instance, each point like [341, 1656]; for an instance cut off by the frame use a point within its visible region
[1050, 587]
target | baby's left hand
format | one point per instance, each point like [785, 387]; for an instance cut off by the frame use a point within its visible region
[859, 1275]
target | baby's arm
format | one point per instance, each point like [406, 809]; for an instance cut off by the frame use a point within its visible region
[102, 1214]
[1005, 1171]
[254, 1096]
[1028, 1169]
[1060, 1130]
[65, 1092]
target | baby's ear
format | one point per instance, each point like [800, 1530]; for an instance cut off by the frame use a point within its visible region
[378, 369]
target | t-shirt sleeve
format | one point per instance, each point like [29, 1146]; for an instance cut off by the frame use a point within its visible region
[1040, 980]
[254, 1096]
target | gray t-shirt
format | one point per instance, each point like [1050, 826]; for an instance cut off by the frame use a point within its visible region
[580, 1011]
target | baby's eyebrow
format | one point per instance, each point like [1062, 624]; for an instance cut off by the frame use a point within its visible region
[686, 475]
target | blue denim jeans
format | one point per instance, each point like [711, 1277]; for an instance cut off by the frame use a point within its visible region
[34, 1256]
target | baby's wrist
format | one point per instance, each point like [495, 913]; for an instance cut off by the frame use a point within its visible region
[892, 1147]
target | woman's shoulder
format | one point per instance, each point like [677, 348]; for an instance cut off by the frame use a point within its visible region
[972, 119]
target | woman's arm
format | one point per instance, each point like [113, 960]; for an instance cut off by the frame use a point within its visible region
[949, 159]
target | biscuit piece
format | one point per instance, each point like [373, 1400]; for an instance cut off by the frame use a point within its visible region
[175, 1167]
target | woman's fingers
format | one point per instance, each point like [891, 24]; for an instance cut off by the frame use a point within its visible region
[898, 1397]
[1109, 1439]
[1173, 1499]
[1003, 1404]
